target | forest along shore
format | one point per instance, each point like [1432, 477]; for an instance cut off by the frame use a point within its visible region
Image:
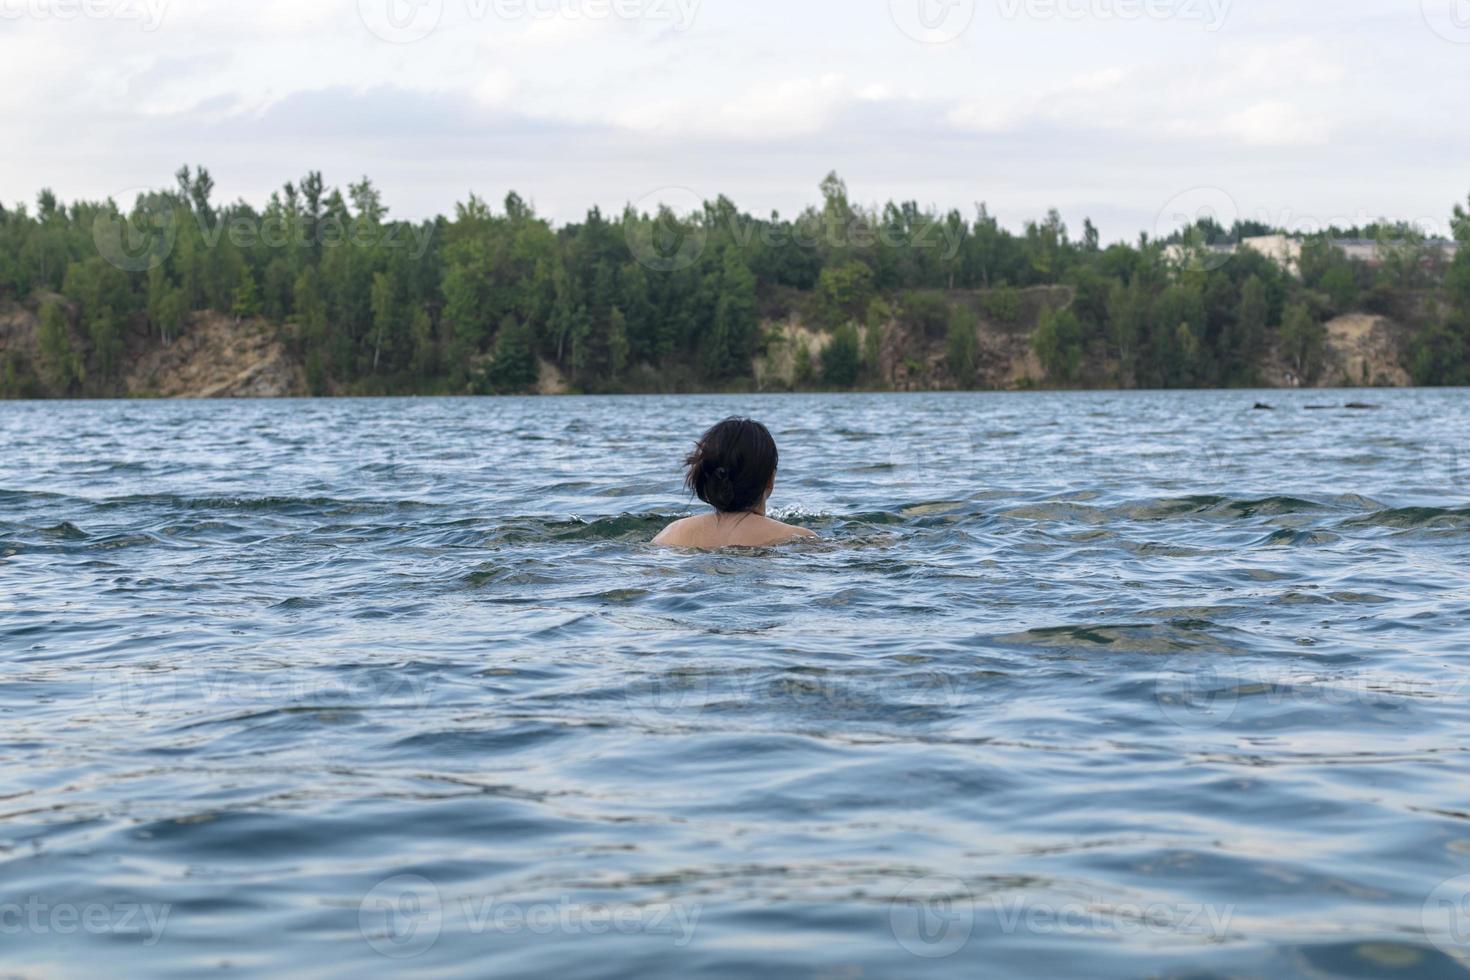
[321, 293]
[219, 356]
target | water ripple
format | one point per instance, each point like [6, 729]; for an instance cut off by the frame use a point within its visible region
[1115, 684]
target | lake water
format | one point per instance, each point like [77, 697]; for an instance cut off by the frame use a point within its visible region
[1106, 685]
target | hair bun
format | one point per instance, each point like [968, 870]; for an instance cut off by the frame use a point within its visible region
[732, 465]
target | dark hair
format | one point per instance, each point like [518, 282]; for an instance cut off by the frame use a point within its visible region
[732, 465]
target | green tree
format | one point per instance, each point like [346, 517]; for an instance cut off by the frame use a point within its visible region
[1341, 287]
[385, 313]
[167, 307]
[962, 347]
[514, 368]
[59, 367]
[802, 367]
[425, 352]
[1058, 344]
[1128, 316]
[1175, 353]
[1440, 356]
[1250, 328]
[845, 291]
[728, 346]
[841, 358]
[1302, 341]
[247, 299]
[1002, 305]
[617, 343]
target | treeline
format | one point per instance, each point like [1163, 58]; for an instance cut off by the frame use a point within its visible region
[641, 301]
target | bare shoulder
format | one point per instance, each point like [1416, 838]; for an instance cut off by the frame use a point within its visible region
[778, 533]
[676, 535]
[704, 533]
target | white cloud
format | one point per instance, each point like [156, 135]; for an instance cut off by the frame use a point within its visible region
[764, 111]
[1075, 100]
[757, 100]
[1276, 123]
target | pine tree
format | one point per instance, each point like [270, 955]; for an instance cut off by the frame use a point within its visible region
[514, 368]
[247, 300]
[841, 358]
[1302, 341]
[58, 364]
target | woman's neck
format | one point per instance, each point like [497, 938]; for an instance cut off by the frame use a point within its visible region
[759, 510]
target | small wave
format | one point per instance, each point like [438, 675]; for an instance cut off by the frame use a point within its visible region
[65, 531]
[623, 526]
[11, 498]
[1174, 636]
[1291, 538]
[293, 506]
[1269, 507]
[1167, 508]
[1416, 517]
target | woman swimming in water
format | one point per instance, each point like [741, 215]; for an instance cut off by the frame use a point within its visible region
[733, 469]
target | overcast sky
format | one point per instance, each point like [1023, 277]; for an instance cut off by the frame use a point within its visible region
[1291, 111]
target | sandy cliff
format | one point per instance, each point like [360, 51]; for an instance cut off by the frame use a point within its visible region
[216, 357]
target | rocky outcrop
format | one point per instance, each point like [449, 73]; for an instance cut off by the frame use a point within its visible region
[1364, 351]
[217, 357]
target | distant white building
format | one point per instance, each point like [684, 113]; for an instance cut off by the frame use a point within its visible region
[1286, 250]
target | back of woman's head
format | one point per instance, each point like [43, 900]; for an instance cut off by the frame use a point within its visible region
[732, 466]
